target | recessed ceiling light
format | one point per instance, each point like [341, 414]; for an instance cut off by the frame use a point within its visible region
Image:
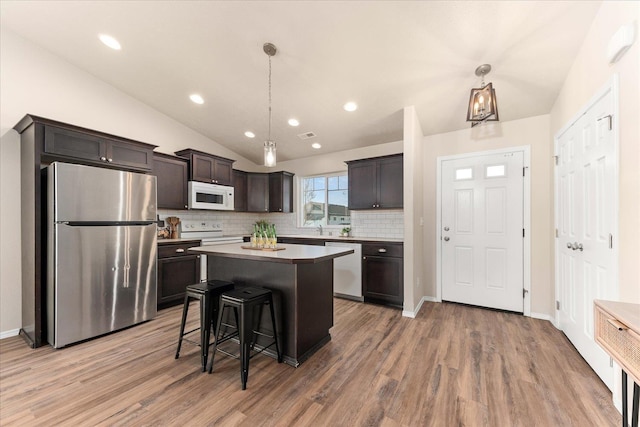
[196, 98]
[293, 122]
[249, 134]
[110, 41]
[350, 106]
[316, 146]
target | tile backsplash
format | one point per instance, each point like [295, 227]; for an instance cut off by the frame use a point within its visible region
[388, 224]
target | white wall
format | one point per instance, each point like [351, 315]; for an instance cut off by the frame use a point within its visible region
[534, 132]
[413, 211]
[37, 82]
[588, 74]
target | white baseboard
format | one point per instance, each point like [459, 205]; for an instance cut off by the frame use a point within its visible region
[412, 314]
[542, 316]
[8, 334]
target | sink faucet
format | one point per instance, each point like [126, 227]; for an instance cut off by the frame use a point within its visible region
[320, 229]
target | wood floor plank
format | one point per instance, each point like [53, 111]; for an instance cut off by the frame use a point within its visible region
[451, 365]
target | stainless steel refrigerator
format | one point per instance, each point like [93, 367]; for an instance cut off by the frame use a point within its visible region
[101, 251]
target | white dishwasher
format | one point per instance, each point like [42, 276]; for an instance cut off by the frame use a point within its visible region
[347, 272]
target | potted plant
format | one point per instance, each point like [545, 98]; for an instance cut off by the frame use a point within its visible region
[345, 232]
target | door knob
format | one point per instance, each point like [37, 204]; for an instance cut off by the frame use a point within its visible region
[446, 238]
[446, 229]
[569, 245]
[579, 246]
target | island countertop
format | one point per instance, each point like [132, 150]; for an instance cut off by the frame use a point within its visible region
[290, 254]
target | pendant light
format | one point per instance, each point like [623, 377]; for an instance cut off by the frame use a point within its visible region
[483, 106]
[269, 145]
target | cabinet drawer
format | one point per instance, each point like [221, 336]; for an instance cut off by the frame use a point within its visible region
[175, 249]
[382, 249]
[621, 343]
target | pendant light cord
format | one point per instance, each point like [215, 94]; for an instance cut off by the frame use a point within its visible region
[269, 139]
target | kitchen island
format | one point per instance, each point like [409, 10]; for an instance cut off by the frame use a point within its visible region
[301, 278]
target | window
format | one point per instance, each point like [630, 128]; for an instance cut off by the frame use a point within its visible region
[466, 173]
[495, 171]
[324, 201]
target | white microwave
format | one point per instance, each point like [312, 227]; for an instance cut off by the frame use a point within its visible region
[210, 196]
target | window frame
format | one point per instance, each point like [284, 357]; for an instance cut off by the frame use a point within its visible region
[300, 201]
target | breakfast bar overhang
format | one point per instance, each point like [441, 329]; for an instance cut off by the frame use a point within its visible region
[301, 278]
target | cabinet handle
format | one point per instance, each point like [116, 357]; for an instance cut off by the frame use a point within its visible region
[180, 250]
[618, 325]
[186, 206]
[382, 250]
[103, 158]
[364, 257]
[109, 160]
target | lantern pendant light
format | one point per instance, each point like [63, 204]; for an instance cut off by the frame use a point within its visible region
[269, 145]
[483, 106]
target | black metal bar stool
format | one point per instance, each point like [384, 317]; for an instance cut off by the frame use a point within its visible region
[246, 330]
[209, 295]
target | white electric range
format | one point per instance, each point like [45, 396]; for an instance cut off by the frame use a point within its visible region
[210, 233]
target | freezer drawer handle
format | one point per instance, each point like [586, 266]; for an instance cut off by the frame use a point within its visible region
[382, 250]
[179, 250]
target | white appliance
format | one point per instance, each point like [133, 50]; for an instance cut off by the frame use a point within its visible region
[347, 272]
[210, 196]
[210, 233]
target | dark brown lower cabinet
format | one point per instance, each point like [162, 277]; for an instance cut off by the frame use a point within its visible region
[382, 274]
[177, 269]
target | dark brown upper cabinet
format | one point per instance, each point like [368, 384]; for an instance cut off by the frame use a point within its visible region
[173, 175]
[281, 192]
[206, 167]
[78, 145]
[257, 192]
[376, 183]
[239, 182]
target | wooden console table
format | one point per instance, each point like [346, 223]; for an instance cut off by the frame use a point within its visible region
[617, 331]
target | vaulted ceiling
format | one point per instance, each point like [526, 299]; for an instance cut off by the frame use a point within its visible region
[383, 55]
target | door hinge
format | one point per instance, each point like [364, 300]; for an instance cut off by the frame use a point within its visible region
[557, 305]
[557, 233]
[556, 159]
[524, 293]
[610, 117]
[610, 241]
[523, 232]
[523, 171]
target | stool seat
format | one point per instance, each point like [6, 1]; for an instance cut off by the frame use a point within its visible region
[243, 301]
[218, 286]
[247, 294]
[208, 294]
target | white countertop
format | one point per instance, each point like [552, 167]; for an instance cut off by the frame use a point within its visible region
[341, 239]
[291, 254]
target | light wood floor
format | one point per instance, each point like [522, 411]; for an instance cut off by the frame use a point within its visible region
[452, 365]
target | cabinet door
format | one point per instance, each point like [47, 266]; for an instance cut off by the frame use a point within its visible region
[382, 280]
[222, 172]
[130, 155]
[174, 275]
[172, 175]
[362, 185]
[257, 192]
[68, 143]
[280, 192]
[202, 168]
[390, 183]
[239, 190]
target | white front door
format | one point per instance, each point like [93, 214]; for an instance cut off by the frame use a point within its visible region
[482, 230]
[585, 217]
